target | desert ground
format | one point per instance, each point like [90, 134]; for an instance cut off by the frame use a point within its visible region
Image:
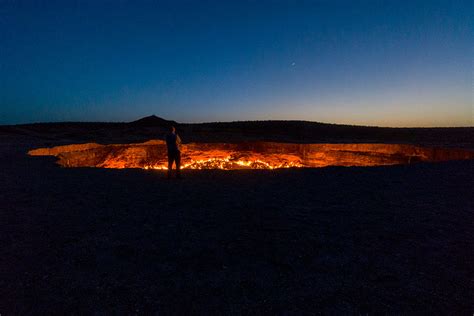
[336, 240]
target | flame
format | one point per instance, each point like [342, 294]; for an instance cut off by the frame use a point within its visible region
[228, 163]
[246, 155]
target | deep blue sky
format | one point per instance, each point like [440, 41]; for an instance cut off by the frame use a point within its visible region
[388, 63]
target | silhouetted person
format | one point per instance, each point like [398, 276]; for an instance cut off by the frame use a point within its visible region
[174, 155]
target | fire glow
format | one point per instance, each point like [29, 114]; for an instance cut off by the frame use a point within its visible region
[229, 163]
[246, 155]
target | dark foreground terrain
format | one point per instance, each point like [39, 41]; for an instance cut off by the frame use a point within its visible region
[333, 240]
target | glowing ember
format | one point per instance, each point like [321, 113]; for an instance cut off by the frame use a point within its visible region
[231, 163]
[247, 155]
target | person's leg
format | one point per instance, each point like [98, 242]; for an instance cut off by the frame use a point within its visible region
[170, 163]
[178, 164]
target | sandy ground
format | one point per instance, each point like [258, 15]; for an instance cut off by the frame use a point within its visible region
[333, 240]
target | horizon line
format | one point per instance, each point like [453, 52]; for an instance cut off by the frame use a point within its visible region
[233, 121]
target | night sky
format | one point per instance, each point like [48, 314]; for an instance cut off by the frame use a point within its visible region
[387, 63]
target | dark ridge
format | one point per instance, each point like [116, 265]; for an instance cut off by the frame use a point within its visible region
[153, 121]
[306, 131]
[153, 127]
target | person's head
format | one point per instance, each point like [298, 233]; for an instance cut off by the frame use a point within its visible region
[172, 129]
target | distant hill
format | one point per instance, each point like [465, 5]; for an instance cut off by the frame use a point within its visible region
[153, 127]
[153, 121]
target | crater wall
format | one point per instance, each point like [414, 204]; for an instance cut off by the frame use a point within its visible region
[265, 155]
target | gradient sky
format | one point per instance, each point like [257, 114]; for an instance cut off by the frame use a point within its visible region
[387, 63]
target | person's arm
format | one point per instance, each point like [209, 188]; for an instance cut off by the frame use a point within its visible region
[178, 140]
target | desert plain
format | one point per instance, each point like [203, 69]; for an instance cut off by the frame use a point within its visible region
[392, 239]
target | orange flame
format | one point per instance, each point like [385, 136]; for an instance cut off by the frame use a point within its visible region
[230, 163]
[247, 155]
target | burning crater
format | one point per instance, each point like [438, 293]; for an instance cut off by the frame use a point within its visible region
[246, 155]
